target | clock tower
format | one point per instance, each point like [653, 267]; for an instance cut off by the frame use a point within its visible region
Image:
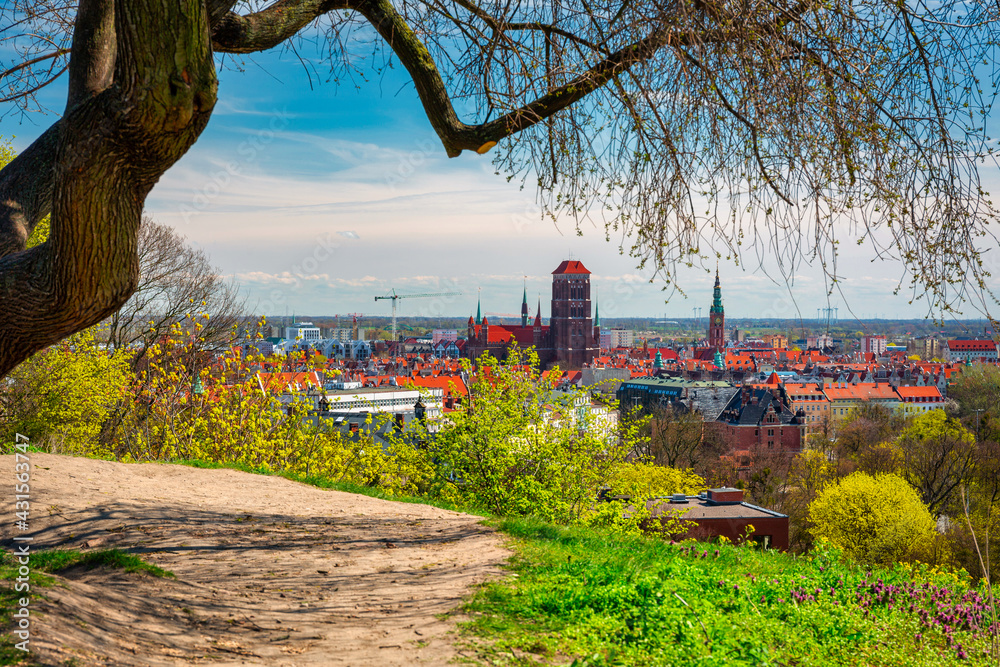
[717, 319]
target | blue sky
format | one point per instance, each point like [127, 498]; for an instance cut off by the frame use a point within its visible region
[316, 201]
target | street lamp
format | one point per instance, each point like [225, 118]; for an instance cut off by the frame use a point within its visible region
[979, 412]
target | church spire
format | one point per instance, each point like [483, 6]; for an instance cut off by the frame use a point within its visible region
[538, 316]
[717, 318]
[717, 294]
[597, 315]
[524, 306]
[479, 308]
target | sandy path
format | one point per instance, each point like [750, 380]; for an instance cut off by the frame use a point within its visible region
[269, 571]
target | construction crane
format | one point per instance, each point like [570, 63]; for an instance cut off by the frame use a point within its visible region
[396, 297]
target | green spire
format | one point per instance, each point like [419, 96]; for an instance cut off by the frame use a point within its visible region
[658, 361]
[597, 314]
[479, 310]
[719, 362]
[717, 295]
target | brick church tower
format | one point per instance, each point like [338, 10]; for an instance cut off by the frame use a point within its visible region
[571, 327]
[717, 319]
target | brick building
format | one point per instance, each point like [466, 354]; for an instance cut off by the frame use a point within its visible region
[723, 513]
[717, 319]
[761, 417]
[572, 337]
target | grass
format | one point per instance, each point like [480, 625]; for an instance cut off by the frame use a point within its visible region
[589, 597]
[54, 561]
[57, 560]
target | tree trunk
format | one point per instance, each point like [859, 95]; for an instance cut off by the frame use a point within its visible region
[124, 127]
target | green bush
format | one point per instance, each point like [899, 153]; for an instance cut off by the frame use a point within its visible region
[520, 445]
[876, 520]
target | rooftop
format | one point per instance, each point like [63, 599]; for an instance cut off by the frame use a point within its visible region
[696, 508]
[570, 266]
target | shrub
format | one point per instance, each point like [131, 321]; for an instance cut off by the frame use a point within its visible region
[520, 445]
[648, 480]
[61, 395]
[874, 520]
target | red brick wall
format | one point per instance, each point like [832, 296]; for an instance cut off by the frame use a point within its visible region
[735, 529]
[787, 437]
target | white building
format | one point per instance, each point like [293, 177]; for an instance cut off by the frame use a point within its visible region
[302, 331]
[969, 349]
[346, 399]
[819, 342]
[612, 338]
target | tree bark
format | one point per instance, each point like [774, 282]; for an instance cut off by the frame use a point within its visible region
[124, 128]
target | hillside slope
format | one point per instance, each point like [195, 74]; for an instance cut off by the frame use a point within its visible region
[269, 571]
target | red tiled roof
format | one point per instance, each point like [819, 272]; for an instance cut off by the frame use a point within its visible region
[918, 392]
[279, 382]
[451, 384]
[972, 346]
[571, 266]
[498, 334]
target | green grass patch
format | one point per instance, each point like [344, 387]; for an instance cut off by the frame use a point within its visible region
[57, 560]
[592, 597]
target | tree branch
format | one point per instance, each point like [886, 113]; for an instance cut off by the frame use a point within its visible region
[456, 135]
[92, 58]
[26, 186]
[269, 27]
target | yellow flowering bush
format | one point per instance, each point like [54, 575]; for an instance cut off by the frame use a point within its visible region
[62, 395]
[875, 520]
[186, 404]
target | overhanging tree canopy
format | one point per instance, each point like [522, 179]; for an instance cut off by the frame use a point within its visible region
[685, 125]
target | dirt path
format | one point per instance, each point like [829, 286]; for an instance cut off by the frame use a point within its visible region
[269, 571]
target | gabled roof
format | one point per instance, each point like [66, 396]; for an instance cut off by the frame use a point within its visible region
[570, 266]
[281, 382]
[753, 412]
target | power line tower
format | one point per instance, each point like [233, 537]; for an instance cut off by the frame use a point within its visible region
[396, 297]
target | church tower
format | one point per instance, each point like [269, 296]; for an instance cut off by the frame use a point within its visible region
[717, 318]
[570, 327]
